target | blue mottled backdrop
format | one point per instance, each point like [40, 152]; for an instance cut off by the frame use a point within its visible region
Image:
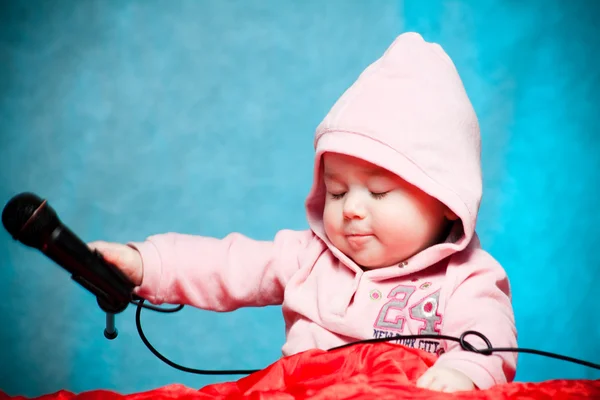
[139, 117]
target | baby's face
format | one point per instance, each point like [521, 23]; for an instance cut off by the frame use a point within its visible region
[375, 217]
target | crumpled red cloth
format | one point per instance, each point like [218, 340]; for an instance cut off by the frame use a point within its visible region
[365, 371]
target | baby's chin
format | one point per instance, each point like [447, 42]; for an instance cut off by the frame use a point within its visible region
[368, 259]
[370, 263]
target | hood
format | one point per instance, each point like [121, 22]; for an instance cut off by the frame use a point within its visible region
[408, 112]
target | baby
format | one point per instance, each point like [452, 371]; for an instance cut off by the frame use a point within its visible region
[391, 248]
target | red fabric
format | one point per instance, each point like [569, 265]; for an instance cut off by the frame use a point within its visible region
[367, 371]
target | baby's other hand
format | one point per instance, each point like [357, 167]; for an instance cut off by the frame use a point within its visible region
[444, 379]
[127, 259]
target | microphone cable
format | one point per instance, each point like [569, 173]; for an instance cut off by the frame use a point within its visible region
[30, 220]
[462, 340]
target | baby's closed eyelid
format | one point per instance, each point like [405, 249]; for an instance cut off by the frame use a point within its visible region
[379, 195]
[336, 196]
[383, 188]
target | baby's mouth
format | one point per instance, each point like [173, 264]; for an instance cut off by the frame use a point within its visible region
[358, 239]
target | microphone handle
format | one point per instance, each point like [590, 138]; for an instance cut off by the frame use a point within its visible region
[89, 269]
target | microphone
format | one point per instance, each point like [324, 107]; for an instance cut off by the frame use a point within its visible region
[31, 221]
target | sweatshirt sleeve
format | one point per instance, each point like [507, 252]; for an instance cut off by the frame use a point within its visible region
[480, 301]
[219, 274]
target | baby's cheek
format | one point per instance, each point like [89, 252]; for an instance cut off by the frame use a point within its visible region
[396, 227]
[329, 220]
[393, 218]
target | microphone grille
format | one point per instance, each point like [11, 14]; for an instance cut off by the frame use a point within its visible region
[26, 217]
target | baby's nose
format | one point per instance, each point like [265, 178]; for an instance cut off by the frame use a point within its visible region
[354, 207]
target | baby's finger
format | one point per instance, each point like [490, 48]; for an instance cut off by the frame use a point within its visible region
[98, 245]
[437, 384]
[450, 389]
[107, 250]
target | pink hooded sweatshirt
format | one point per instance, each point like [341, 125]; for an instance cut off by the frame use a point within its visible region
[407, 112]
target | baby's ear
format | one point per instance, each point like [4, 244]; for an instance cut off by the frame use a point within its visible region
[450, 215]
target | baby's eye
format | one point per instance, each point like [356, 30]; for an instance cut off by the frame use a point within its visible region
[379, 195]
[337, 196]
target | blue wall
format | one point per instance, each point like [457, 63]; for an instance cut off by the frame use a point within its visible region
[135, 118]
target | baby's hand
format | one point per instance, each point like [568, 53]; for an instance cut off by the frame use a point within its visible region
[444, 379]
[127, 259]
